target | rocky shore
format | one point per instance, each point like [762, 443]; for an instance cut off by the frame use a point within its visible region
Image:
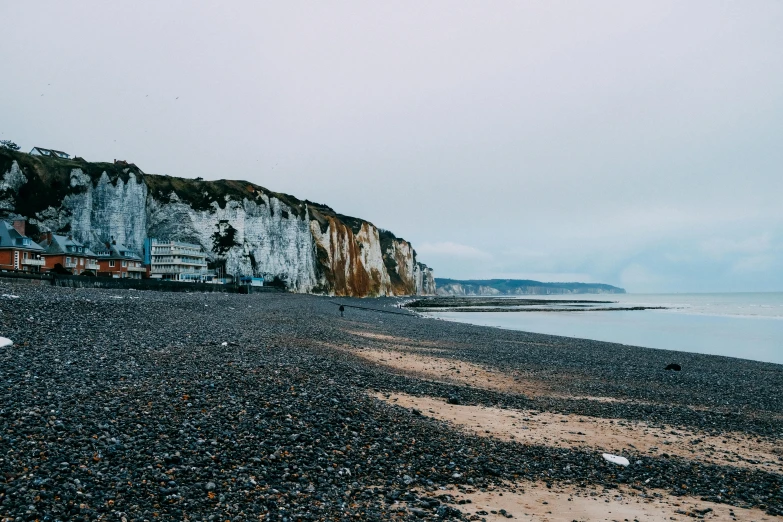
[131, 406]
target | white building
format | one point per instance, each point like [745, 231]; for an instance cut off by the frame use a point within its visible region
[51, 153]
[177, 261]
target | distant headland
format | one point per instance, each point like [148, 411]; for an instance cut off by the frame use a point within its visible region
[518, 287]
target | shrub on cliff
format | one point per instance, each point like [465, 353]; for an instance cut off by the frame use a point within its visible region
[278, 282]
[224, 239]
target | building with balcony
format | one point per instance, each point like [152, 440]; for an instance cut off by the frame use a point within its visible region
[17, 251]
[118, 261]
[69, 253]
[176, 261]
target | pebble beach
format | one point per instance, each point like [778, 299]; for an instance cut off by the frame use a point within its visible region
[141, 405]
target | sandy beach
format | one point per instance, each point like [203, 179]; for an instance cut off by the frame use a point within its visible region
[132, 406]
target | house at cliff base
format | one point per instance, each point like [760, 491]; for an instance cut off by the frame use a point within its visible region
[69, 253]
[118, 261]
[17, 251]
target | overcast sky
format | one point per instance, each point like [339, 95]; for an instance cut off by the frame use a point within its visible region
[632, 143]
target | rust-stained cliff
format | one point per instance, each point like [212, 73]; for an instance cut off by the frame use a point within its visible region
[248, 228]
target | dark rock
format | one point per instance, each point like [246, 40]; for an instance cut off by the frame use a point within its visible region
[444, 511]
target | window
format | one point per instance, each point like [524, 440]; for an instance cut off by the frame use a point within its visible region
[81, 262]
[67, 260]
[124, 263]
[25, 255]
[111, 264]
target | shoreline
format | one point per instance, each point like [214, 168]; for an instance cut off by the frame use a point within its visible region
[552, 310]
[193, 405]
[720, 335]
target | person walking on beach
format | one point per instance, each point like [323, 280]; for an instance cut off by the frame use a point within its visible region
[342, 310]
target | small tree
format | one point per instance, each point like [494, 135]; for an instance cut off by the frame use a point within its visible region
[61, 270]
[224, 239]
[8, 144]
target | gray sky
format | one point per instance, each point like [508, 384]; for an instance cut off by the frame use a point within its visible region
[633, 143]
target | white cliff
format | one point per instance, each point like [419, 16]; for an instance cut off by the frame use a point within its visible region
[262, 233]
[424, 278]
[99, 212]
[267, 242]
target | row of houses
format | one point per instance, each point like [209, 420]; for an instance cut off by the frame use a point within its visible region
[165, 260]
[54, 252]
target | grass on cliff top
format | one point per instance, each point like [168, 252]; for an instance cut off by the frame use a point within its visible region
[48, 182]
[49, 169]
[49, 179]
[201, 194]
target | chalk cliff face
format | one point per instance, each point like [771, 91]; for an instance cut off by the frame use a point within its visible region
[253, 230]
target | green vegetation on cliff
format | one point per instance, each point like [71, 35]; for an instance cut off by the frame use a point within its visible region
[50, 182]
[49, 179]
[99, 200]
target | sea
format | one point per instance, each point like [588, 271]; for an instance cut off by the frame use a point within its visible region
[742, 325]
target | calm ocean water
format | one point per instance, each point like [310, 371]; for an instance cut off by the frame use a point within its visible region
[744, 325]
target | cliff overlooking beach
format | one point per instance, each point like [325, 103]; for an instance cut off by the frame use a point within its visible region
[250, 229]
